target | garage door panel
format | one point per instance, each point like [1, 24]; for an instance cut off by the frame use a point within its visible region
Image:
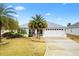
[51, 33]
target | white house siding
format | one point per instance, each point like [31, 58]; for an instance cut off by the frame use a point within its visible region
[54, 33]
[74, 31]
[4, 31]
[27, 32]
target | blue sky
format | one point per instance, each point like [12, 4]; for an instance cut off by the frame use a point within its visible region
[59, 13]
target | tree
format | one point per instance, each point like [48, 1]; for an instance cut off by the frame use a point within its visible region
[32, 28]
[6, 19]
[68, 24]
[38, 23]
[12, 24]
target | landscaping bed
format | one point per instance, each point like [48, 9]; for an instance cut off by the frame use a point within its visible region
[34, 39]
[73, 37]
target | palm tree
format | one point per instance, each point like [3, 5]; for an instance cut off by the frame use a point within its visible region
[39, 23]
[32, 28]
[12, 25]
[6, 17]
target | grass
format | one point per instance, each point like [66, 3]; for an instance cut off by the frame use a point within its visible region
[22, 47]
[73, 37]
[38, 40]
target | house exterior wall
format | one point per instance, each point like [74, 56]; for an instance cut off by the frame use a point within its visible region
[26, 35]
[27, 30]
[74, 31]
[4, 31]
[53, 33]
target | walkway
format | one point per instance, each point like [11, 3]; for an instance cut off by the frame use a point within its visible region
[61, 46]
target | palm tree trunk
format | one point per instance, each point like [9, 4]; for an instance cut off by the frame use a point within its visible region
[0, 34]
[0, 29]
[38, 33]
[33, 32]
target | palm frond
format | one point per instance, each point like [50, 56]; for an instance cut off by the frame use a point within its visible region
[9, 8]
[10, 16]
[9, 12]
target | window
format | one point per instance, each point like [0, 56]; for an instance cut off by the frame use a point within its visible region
[62, 29]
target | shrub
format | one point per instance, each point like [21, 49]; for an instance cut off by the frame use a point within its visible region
[17, 35]
[11, 35]
[7, 34]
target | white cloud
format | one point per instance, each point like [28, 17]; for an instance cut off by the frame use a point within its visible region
[64, 3]
[9, 6]
[59, 19]
[48, 14]
[16, 15]
[20, 8]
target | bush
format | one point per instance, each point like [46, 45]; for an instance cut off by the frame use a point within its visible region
[7, 34]
[11, 35]
[17, 35]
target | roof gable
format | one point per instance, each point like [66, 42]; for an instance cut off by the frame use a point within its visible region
[76, 25]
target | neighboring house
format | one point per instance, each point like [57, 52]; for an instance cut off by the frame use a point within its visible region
[25, 26]
[4, 31]
[73, 29]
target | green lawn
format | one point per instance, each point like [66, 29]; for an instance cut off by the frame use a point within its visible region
[22, 47]
[73, 37]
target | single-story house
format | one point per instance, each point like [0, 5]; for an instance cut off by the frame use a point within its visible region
[52, 30]
[73, 29]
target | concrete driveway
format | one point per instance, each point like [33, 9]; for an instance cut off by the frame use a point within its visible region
[61, 46]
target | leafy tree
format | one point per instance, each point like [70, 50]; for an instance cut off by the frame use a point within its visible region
[68, 24]
[7, 20]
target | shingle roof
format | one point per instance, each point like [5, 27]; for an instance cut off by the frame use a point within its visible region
[53, 25]
[50, 25]
[76, 25]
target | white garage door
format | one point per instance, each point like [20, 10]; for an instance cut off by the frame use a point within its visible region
[53, 33]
